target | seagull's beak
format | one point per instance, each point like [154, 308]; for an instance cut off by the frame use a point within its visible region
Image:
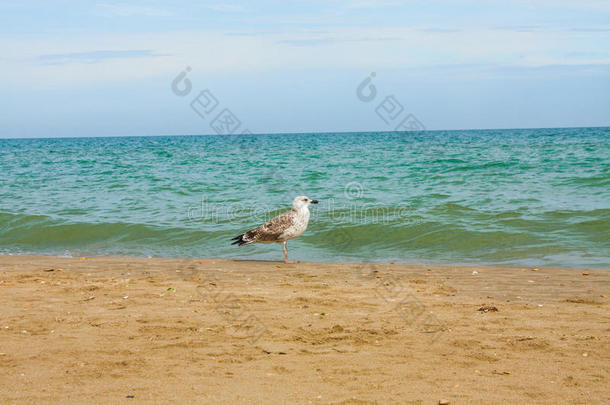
[314, 201]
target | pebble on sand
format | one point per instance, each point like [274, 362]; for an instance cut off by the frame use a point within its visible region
[488, 308]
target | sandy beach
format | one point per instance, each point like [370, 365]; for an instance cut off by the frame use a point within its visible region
[137, 330]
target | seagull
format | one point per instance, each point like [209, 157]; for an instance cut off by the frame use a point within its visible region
[282, 228]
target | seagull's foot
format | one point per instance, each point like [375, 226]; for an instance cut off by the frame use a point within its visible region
[291, 261]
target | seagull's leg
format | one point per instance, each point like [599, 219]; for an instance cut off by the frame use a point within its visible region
[286, 255]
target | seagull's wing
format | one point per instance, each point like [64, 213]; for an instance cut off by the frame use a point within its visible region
[268, 232]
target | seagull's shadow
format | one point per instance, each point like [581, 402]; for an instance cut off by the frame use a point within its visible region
[261, 261]
[257, 260]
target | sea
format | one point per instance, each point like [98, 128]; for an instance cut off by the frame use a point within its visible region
[523, 197]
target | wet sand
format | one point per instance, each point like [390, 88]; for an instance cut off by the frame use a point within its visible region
[137, 330]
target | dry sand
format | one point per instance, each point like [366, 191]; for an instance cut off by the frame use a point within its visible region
[136, 330]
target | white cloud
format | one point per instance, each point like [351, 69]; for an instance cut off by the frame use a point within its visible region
[574, 4]
[96, 56]
[226, 8]
[372, 3]
[213, 51]
[129, 10]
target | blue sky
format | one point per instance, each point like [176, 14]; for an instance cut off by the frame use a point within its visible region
[105, 68]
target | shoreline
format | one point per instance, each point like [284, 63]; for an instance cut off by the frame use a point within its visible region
[104, 329]
[395, 263]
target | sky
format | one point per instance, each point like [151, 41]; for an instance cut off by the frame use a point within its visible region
[112, 68]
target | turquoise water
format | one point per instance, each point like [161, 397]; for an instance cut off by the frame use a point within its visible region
[524, 197]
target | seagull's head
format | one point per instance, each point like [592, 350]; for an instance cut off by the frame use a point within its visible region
[302, 202]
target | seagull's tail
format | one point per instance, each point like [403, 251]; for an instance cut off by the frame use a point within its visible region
[239, 240]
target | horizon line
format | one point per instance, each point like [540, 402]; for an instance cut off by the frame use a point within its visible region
[302, 133]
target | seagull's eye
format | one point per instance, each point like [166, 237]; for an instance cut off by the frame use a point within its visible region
[304, 199]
